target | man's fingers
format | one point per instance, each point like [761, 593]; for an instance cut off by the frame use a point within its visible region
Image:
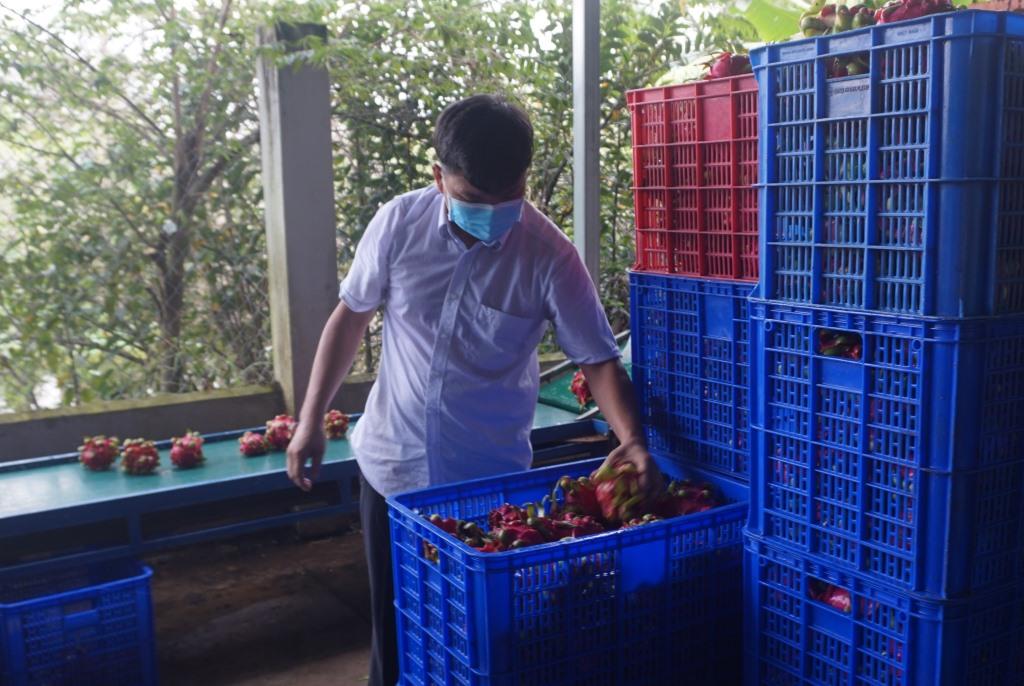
[296, 465]
[314, 471]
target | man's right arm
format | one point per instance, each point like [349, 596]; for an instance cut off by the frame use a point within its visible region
[335, 353]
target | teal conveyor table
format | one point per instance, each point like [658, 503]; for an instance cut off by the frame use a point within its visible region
[54, 512]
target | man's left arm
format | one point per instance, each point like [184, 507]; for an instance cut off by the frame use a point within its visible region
[613, 392]
[583, 333]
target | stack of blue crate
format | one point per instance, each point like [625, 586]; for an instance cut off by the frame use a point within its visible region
[695, 196]
[886, 526]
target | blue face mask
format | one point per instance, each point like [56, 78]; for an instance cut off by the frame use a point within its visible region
[485, 222]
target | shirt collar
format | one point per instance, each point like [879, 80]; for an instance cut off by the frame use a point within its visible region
[444, 227]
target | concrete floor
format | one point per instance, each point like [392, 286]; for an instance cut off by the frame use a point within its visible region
[263, 610]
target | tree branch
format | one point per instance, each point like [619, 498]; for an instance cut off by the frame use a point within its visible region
[202, 182]
[211, 70]
[90, 345]
[67, 156]
[87, 64]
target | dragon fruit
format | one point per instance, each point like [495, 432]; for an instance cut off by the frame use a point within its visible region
[830, 594]
[336, 424]
[97, 453]
[280, 430]
[687, 497]
[524, 536]
[618, 493]
[187, 450]
[579, 496]
[728, 64]
[139, 456]
[640, 521]
[570, 525]
[899, 10]
[252, 444]
[823, 19]
[581, 389]
[446, 524]
[504, 515]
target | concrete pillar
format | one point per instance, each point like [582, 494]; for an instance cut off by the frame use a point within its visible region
[586, 123]
[298, 196]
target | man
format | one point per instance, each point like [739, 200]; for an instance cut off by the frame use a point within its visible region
[469, 275]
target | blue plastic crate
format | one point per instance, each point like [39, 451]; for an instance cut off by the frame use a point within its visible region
[690, 347]
[629, 606]
[86, 626]
[794, 638]
[904, 463]
[900, 190]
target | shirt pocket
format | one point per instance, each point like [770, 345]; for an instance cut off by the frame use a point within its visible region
[499, 335]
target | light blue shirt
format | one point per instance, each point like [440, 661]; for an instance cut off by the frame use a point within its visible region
[457, 387]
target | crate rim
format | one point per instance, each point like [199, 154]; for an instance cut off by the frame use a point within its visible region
[693, 82]
[759, 54]
[876, 315]
[145, 573]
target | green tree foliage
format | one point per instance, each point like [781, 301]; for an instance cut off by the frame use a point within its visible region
[133, 258]
[132, 253]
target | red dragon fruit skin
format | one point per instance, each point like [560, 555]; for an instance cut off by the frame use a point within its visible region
[139, 456]
[504, 515]
[98, 453]
[252, 444]
[900, 10]
[581, 389]
[336, 424]
[187, 451]
[728, 64]
[580, 496]
[279, 431]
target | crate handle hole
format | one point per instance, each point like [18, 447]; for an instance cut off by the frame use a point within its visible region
[844, 345]
[834, 596]
[845, 66]
[78, 607]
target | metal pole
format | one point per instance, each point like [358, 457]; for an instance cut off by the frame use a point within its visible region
[586, 72]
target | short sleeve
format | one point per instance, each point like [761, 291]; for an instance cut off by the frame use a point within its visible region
[574, 308]
[366, 284]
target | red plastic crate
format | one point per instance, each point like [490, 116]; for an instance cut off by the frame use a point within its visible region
[694, 171]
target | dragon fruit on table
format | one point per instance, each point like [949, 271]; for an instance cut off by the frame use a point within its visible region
[187, 451]
[139, 456]
[280, 430]
[97, 453]
[252, 444]
[336, 424]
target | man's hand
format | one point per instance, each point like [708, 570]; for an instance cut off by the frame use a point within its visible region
[334, 354]
[651, 481]
[613, 391]
[308, 443]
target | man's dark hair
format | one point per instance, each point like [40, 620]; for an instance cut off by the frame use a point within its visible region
[486, 139]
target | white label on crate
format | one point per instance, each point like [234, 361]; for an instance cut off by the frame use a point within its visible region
[849, 97]
[905, 34]
[859, 41]
[798, 51]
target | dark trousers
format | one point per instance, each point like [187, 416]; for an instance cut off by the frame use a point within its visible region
[373, 511]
